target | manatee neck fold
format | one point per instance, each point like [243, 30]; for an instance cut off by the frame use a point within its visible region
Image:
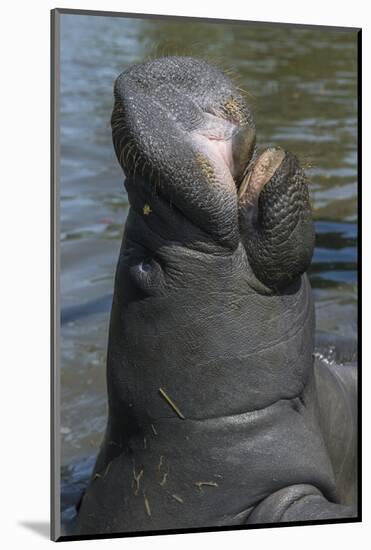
[212, 346]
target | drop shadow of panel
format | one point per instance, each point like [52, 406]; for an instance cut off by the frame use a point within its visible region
[42, 528]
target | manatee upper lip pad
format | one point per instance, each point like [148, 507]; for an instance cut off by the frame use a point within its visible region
[230, 147]
[226, 143]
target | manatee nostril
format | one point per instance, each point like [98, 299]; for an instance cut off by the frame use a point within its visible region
[225, 143]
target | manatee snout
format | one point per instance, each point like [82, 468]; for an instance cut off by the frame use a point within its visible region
[182, 127]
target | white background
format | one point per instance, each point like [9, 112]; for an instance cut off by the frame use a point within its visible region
[24, 233]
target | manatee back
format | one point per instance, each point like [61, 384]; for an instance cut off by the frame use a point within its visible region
[337, 401]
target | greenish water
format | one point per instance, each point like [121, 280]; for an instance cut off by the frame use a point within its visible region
[301, 85]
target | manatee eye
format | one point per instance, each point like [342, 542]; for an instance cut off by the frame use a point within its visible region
[147, 275]
[144, 267]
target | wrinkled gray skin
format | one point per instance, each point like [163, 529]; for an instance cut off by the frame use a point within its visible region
[212, 306]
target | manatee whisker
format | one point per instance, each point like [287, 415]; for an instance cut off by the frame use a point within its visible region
[126, 152]
[117, 121]
[144, 166]
[122, 150]
[137, 158]
[120, 134]
[152, 167]
[121, 140]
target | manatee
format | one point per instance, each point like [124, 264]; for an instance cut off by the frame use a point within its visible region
[219, 414]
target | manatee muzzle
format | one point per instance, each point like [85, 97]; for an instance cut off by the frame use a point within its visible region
[182, 128]
[227, 142]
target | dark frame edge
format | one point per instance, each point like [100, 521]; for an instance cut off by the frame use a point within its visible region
[131, 15]
[55, 526]
[359, 272]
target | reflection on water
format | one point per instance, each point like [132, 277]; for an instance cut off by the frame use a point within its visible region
[301, 85]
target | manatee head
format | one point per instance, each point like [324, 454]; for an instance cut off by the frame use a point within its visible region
[211, 299]
[184, 134]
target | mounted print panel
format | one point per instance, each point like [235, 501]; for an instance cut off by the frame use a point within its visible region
[205, 283]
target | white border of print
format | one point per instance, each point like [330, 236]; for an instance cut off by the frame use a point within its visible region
[25, 284]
